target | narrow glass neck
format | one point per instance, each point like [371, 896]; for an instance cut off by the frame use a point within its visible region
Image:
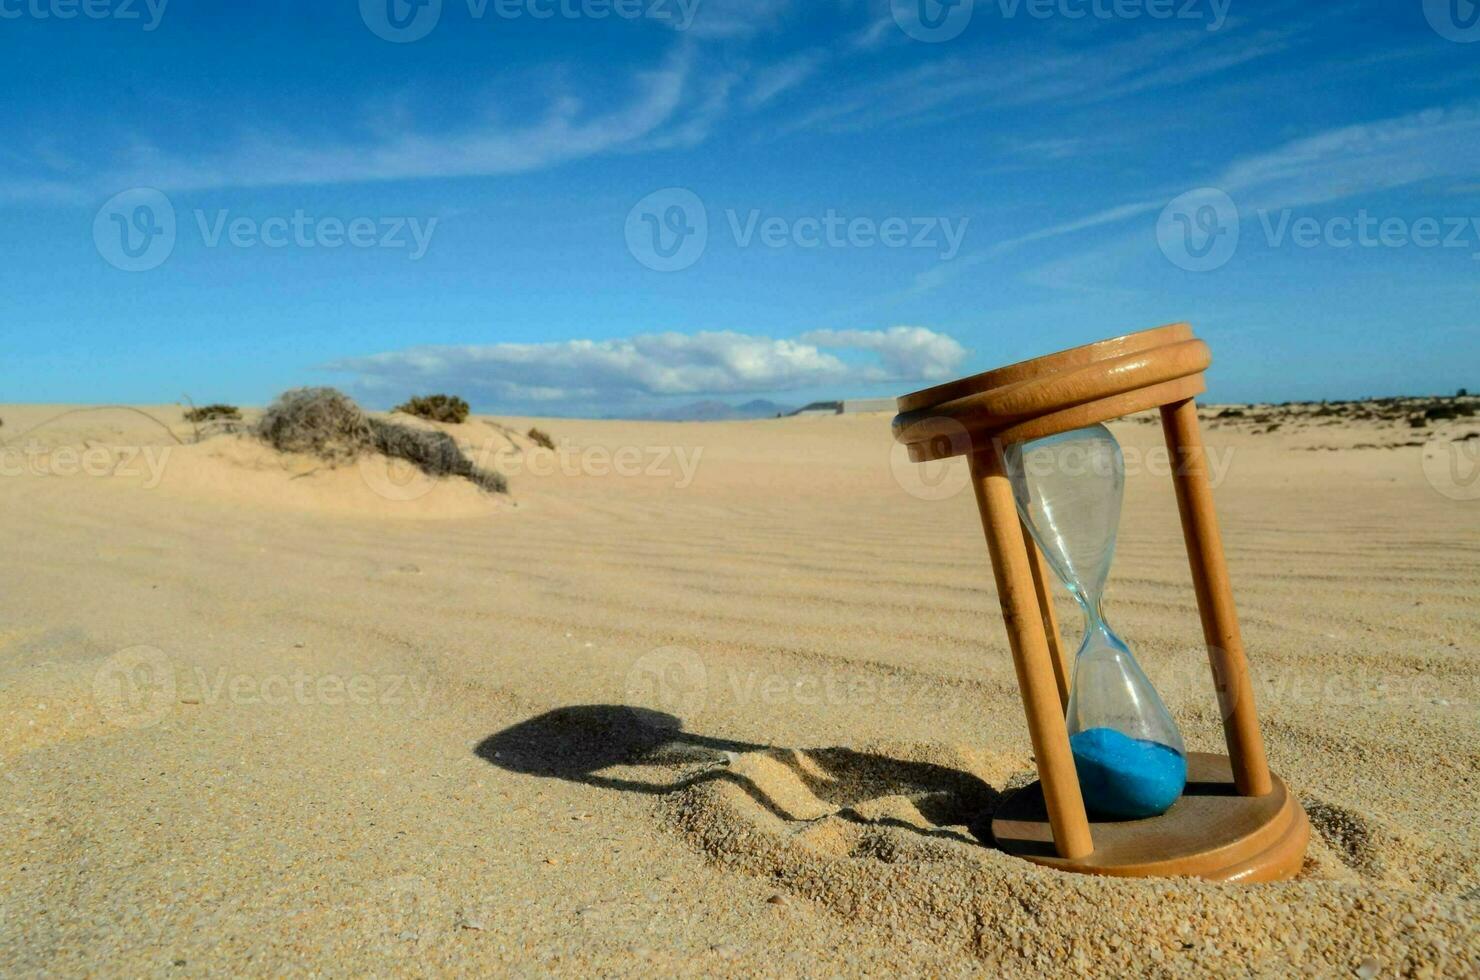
[1093, 609]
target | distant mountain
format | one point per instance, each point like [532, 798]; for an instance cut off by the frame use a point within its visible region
[761, 408]
[716, 411]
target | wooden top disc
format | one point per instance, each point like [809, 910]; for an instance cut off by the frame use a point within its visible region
[1056, 393]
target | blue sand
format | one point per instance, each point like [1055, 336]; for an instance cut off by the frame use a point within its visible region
[1126, 778]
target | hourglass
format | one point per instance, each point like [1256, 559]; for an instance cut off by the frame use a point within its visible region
[1117, 792]
[1127, 751]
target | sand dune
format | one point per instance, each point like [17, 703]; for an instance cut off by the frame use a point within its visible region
[697, 698]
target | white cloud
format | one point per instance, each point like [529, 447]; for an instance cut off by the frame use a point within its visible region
[907, 353]
[656, 365]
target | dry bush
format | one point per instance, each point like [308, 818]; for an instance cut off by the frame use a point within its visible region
[541, 438]
[213, 413]
[434, 453]
[326, 423]
[436, 408]
[321, 422]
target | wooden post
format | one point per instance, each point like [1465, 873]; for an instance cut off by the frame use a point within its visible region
[1030, 656]
[1215, 598]
[1043, 588]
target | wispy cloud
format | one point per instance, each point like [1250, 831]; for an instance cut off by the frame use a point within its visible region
[992, 79]
[1360, 159]
[656, 365]
[661, 109]
[773, 80]
[1345, 162]
[737, 18]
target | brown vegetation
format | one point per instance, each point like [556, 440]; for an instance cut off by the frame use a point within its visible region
[435, 408]
[326, 423]
[213, 413]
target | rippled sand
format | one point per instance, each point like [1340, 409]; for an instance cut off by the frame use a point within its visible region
[697, 698]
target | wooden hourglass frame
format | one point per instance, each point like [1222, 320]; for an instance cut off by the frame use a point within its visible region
[1236, 820]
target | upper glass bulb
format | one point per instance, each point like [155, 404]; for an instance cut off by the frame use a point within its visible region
[1128, 753]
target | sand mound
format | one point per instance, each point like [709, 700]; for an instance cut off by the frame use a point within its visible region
[890, 838]
[337, 469]
[240, 470]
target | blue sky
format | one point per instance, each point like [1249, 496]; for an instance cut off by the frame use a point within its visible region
[688, 199]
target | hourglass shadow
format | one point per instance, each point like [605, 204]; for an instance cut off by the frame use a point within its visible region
[578, 743]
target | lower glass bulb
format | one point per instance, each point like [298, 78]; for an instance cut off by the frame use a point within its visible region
[1128, 753]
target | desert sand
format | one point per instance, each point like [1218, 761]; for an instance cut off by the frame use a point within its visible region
[722, 698]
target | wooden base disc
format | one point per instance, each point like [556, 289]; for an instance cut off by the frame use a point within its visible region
[1211, 832]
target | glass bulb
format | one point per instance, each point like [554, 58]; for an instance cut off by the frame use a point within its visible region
[1129, 755]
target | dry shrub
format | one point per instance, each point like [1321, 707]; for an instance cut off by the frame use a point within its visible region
[326, 423]
[432, 452]
[321, 422]
[213, 413]
[436, 408]
[541, 438]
